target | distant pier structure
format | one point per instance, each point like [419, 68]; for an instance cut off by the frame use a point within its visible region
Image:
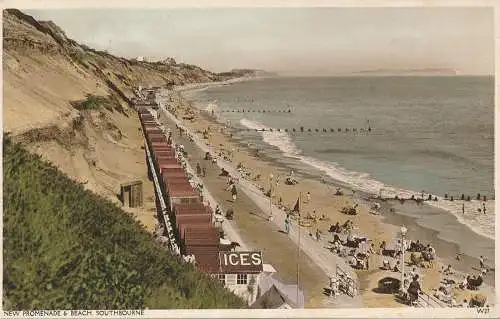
[131, 194]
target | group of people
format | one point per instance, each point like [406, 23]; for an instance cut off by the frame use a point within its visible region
[447, 282]
[337, 228]
[472, 282]
[480, 209]
[444, 292]
[244, 172]
[339, 283]
[356, 249]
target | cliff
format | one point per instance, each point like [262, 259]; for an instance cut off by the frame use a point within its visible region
[67, 246]
[46, 75]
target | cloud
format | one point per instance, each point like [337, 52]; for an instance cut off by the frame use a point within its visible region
[293, 39]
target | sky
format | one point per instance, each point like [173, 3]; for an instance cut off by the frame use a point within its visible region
[291, 41]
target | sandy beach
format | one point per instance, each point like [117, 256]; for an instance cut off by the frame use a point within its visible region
[279, 250]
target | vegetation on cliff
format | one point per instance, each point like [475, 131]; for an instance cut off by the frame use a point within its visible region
[66, 247]
[94, 102]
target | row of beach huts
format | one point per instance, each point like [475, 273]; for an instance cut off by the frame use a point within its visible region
[188, 224]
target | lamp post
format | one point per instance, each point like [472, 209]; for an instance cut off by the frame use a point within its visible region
[403, 235]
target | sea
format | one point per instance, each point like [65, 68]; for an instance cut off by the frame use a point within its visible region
[379, 135]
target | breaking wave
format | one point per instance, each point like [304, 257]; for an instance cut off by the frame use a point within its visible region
[483, 224]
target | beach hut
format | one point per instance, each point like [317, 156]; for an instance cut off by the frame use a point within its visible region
[179, 192]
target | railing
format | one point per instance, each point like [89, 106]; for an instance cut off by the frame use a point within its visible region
[427, 301]
[173, 245]
[351, 286]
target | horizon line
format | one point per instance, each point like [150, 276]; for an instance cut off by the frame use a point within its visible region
[376, 75]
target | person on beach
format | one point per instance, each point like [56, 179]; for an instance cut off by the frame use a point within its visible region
[481, 262]
[337, 247]
[270, 218]
[348, 225]
[399, 248]
[313, 216]
[397, 266]
[386, 265]
[334, 228]
[484, 208]
[431, 250]
[454, 302]
[203, 171]
[383, 247]
[308, 197]
[463, 209]
[367, 262]
[464, 283]
[334, 286]
[318, 236]
[371, 250]
[448, 271]
[414, 289]
[287, 223]
[465, 304]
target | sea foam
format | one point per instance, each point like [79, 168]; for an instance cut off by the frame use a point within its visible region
[483, 224]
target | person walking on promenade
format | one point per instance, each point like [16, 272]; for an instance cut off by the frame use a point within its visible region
[287, 223]
[198, 169]
[234, 192]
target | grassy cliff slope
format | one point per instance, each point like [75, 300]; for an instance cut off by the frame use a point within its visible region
[67, 243]
[68, 248]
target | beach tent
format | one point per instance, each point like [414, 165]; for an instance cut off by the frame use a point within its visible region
[287, 292]
[271, 299]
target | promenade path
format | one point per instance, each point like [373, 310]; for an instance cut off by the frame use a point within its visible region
[253, 231]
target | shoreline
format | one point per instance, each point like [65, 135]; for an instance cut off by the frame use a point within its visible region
[452, 208]
[193, 87]
[396, 219]
[387, 215]
[369, 198]
[386, 223]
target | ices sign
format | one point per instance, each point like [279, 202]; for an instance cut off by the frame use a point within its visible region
[244, 261]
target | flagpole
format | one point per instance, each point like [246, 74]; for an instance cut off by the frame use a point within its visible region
[270, 199]
[270, 209]
[298, 251]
